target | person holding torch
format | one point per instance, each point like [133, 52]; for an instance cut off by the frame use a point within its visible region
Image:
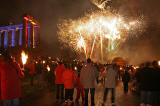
[11, 74]
[49, 76]
[31, 67]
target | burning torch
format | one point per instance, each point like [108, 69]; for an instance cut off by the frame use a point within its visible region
[159, 62]
[24, 57]
[75, 68]
[44, 61]
[48, 68]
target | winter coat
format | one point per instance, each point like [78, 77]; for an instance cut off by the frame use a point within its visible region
[110, 78]
[156, 80]
[58, 73]
[78, 83]
[146, 78]
[126, 77]
[88, 76]
[69, 79]
[38, 68]
[32, 68]
[10, 80]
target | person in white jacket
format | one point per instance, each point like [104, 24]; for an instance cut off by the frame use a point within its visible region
[110, 83]
[87, 77]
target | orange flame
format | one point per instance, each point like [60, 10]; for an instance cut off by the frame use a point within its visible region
[24, 57]
[159, 62]
[48, 68]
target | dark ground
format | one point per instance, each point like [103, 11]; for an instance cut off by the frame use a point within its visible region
[34, 96]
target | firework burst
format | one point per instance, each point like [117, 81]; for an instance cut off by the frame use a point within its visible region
[98, 33]
[100, 3]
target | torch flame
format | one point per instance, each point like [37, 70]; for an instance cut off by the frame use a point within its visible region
[44, 62]
[24, 57]
[48, 68]
[75, 68]
[159, 62]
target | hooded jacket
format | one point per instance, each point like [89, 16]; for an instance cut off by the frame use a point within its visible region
[58, 73]
[32, 68]
[88, 75]
[10, 80]
[110, 78]
[69, 79]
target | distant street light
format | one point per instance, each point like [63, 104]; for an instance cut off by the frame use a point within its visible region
[159, 62]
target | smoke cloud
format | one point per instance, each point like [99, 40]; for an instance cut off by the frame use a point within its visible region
[145, 47]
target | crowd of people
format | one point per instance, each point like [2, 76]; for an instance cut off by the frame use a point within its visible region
[144, 78]
[85, 77]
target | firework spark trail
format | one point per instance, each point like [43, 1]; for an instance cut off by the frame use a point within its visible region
[93, 47]
[101, 48]
[100, 3]
[104, 29]
[101, 40]
[81, 45]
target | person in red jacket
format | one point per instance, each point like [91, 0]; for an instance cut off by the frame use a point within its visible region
[11, 74]
[58, 81]
[80, 89]
[69, 79]
[32, 72]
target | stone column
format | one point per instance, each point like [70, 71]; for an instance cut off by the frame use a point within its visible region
[26, 33]
[6, 39]
[29, 35]
[33, 35]
[20, 37]
[13, 38]
[36, 36]
[0, 39]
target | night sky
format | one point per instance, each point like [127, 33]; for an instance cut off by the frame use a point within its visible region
[49, 12]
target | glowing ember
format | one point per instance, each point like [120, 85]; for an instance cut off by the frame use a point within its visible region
[24, 57]
[48, 68]
[44, 62]
[121, 68]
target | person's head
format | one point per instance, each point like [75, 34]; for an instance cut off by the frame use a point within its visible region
[5, 56]
[68, 66]
[13, 58]
[60, 63]
[1, 58]
[126, 71]
[127, 68]
[89, 60]
[147, 64]
[155, 64]
[141, 65]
